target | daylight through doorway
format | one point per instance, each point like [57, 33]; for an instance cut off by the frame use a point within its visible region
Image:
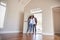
[39, 22]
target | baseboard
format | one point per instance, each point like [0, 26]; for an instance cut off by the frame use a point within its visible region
[48, 33]
[57, 33]
[9, 32]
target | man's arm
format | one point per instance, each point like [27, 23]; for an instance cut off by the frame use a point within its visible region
[36, 21]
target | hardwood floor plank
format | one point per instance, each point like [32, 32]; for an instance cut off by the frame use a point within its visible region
[20, 36]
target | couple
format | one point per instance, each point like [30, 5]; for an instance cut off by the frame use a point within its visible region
[32, 22]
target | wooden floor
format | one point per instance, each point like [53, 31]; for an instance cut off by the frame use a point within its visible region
[20, 36]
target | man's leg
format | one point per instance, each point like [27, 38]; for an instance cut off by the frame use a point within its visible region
[34, 27]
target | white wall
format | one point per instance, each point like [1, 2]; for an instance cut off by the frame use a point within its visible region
[13, 17]
[46, 6]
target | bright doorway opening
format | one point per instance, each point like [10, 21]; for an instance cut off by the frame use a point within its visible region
[39, 22]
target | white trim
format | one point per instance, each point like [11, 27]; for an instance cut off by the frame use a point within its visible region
[9, 32]
[55, 6]
[48, 33]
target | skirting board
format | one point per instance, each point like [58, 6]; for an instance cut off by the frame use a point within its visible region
[19, 32]
[9, 32]
[48, 33]
[45, 33]
[57, 33]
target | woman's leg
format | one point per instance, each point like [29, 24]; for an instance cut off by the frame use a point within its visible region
[28, 29]
[31, 27]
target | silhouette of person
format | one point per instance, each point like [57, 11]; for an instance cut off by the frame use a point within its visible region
[32, 22]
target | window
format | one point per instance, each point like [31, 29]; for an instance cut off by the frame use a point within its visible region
[2, 13]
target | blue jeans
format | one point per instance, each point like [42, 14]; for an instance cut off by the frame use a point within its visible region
[30, 27]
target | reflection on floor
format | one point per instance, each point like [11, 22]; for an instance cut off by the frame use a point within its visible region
[20, 36]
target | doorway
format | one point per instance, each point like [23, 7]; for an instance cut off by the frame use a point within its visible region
[39, 22]
[56, 19]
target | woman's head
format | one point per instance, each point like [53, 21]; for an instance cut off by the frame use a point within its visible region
[32, 16]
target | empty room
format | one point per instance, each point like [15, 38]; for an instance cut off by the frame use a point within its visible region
[29, 19]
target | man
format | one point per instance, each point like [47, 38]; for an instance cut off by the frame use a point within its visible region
[34, 23]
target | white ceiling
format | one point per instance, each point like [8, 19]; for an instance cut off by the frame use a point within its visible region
[23, 2]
